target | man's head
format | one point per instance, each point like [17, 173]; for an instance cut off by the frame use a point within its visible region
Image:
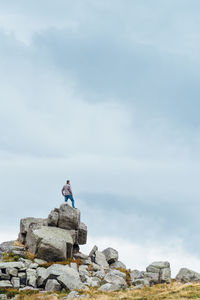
[68, 181]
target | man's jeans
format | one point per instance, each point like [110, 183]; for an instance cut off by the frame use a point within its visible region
[71, 198]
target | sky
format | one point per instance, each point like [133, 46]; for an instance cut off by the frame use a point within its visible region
[106, 94]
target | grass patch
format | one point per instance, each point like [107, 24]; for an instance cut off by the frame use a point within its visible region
[30, 255]
[65, 262]
[128, 275]
[10, 257]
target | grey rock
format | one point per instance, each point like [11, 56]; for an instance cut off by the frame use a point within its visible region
[152, 277]
[115, 279]
[3, 297]
[135, 274]
[31, 277]
[50, 243]
[80, 255]
[53, 218]
[6, 246]
[22, 278]
[82, 234]
[66, 276]
[100, 274]
[41, 276]
[28, 288]
[111, 255]
[92, 281]
[74, 266]
[83, 272]
[96, 267]
[117, 273]
[15, 282]
[92, 252]
[87, 261]
[69, 218]
[100, 259]
[13, 272]
[186, 275]
[71, 280]
[26, 262]
[118, 264]
[5, 284]
[52, 285]
[39, 261]
[109, 287]
[165, 275]
[9, 265]
[141, 282]
[158, 272]
[33, 266]
[25, 224]
[138, 286]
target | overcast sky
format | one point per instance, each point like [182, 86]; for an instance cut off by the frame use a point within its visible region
[105, 93]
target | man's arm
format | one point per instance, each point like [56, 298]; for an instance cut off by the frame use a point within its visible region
[63, 191]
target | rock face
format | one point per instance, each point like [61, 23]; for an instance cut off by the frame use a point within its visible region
[55, 238]
[158, 272]
[187, 275]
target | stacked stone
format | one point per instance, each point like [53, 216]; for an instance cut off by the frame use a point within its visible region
[55, 238]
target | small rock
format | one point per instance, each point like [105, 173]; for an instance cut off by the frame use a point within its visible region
[5, 284]
[100, 259]
[72, 295]
[118, 264]
[15, 282]
[111, 255]
[109, 287]
[52, 285]
[3, 297]
[39, 261]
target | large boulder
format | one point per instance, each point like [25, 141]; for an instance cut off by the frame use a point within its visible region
[69, 218]
[118, 265]
[187, 275]
[49, 243]
[100, 259]
[82, 234]
[158, 272]
[111, 255]
[66, 276]
[25, 224]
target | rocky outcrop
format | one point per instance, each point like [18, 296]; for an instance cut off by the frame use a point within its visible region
[55, 238]
[186, 275]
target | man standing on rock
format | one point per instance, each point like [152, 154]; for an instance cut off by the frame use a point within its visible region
[67, 192]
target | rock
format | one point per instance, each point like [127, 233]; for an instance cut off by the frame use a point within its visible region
[135, 274]
[109, 287]
[5, 284]
[92, 252]
[118, 264]
[13, 272]
[82, 234]
[28, 288]
[25, 224]
[141, 282]
[115, 279]
[15, 282]
[53, 218]
[52, 285]
[117, 273]
[83, 272]
[41, 276]
[66, 276]
[186, 275]
[100, 259]
[9, 265]
[100, 274]
[49, 243]
[111, 255]
[22, 278]
[74, 266]
[33, 266]
[39, 261]
[92, 281]
[3, 297]
[69, 218]
[80, 255]
[26, 262]
[96, 267]
[158, 272]
[7, 246]
[152, 277]
[31, 277]
[87, 261]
